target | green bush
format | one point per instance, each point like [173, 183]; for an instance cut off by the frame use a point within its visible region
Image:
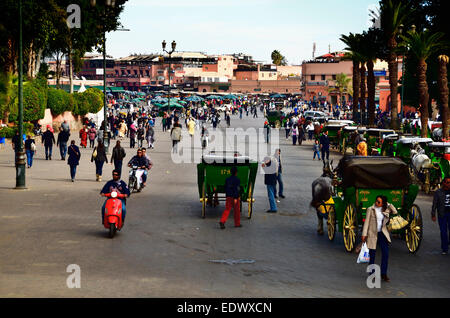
[7, 132]
[34, 102]
[81, 104]
[94, 97]
[59, 101]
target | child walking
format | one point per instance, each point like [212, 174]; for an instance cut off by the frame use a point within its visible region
[316, 148]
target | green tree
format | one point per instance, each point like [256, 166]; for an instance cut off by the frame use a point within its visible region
[278, 58]
[422, 45]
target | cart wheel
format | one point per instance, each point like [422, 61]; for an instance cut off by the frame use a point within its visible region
[331, 223]
[350, 227]
[204, 200]
[414, 230]
[250, 201]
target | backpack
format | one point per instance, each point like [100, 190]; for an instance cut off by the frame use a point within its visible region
[176, 134]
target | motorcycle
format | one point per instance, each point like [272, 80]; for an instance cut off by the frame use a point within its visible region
[135, 179]
[113, 213]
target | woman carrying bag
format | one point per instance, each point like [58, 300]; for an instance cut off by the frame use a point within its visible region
[375, 232]
[99, 156]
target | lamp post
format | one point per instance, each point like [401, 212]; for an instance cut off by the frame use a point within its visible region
[174, 45]
[20, 156]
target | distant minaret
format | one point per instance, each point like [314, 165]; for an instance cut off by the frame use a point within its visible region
[314, 49]
[329, 48]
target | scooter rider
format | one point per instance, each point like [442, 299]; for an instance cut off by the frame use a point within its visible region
[141, 162]
[120, 187]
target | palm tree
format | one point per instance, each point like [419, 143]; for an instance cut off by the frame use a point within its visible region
[353, 46]
[422, 45]
[393, 14]
[342, 86]
[443, 93]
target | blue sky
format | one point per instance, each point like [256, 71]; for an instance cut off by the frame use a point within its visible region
[254, 27]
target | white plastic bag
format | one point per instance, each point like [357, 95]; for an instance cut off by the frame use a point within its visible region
[363, 256]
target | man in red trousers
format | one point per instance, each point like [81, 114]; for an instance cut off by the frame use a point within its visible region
[232, 186]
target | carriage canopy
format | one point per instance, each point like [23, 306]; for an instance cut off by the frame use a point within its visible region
[374, 172]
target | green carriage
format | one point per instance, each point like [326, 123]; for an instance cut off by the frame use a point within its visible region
[348, 137]
[405, 145]
[276, 118]
[374, 138]
[359, 181]
[334, 133]
[439, 153]
[215, 168]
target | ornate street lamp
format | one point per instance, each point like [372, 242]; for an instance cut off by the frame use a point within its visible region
[20, 155]
[174, 45]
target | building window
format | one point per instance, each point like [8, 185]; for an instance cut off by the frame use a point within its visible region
[334, 77]
[313, 77]
[323, 77]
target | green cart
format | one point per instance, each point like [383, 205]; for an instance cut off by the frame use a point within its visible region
[215, 168]
[375, 136]
[439, 153]
[348, 137]
[334, 133]
[359, 181]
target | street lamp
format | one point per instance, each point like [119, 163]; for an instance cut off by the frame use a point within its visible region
[174, 45]
[20, 156]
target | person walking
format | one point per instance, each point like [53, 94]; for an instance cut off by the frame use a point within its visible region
[140, 135]
[270, 168]
[233, 200]
[118, 154]
[294, 134]
[48, 139]
[30, 150]
[325, 145]
[149, 135]
[175, 134]
[441, 205]
[267, 131]
[83, 137]
[277, 156]
[15, 143]
[301, 133]
[99, 156]
[375, 232]
[316, 149]
[191, 127]
[310, 130]
[74, 159]
[63, 138]
[132, 133]
[92, 133]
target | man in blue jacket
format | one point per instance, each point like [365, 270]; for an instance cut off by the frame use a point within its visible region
[232, 187]
[74, 159]
[270, 167]
[325, 145]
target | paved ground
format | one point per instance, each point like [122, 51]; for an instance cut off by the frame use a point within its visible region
[165, 247]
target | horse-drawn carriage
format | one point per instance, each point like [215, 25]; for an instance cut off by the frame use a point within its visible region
[357, 181]
[215, 168]
[375, 136]
[348, 137]
[334, 133]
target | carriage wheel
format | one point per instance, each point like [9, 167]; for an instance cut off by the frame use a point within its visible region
[204, 200]
[331, 223]
[350, 227]
[414, 230]
[250, 201]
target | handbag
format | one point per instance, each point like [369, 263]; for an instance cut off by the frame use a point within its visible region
[397, 223]
[33, 147]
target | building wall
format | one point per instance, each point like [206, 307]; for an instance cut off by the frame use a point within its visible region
[286, 71]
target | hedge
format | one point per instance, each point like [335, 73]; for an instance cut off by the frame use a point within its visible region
[59, 101]
[9, 132]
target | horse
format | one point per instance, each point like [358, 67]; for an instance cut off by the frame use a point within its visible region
[322, 190]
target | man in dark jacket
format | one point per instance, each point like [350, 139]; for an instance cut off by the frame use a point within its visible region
[441, 204]
[270, 167]
[63, 138]
[74, 159]
[48, 139]
[232, 186]
[117, 157]
[325, 145]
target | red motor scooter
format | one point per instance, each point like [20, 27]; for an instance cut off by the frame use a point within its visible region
[113, 212]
